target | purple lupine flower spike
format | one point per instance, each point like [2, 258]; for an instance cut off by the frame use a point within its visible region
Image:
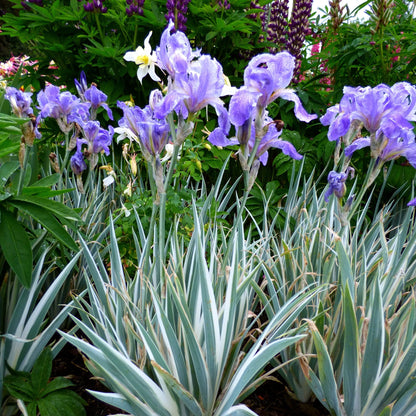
[277, 25]
[134, 7]
[298, 28]
[177, 10]
[95, 6]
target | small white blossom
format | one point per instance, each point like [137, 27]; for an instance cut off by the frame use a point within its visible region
[145, 58]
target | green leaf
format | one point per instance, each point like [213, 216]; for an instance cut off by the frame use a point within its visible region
[58, 383]
[7, 170]
[326, 373]
[16, 248]
[48, 180]
[19, 387]
[41, 372]
[345, 267]
[57, 208]
[42, 191]
[63, 403]
[48, 220]
[351, 357]
[374, 344]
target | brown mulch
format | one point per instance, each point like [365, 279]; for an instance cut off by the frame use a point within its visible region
[270, 399]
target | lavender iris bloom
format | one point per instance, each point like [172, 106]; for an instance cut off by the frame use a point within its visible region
[382, 110]
[200, 86]
[336, 183]
[81, 85]
[174, 53]
[97, 99]
[78, 164]
[64, 107]
[246, 135]
[20, 102]
[92, 95]
[269, 75]
[265, 79]
[97, 138]
[142, 126]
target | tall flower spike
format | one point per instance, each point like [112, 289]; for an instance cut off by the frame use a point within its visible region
[277, 25]
[95, 6]
[298, 28]
[177, 10]
[134, 7]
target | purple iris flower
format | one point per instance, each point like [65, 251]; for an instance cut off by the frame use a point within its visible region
[382, 110]
[81, 85]
[265, 79]
[336, 183]
[92, 95]
[174, 53]
[78, 164]
[97, 138]
[20, 102]
[142, 126]
[200, 86]
[246, 135]
[62, 106]
[269, 75]
[389, 149]
[97, 99]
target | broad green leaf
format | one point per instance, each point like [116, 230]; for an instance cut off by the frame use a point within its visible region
[19, 387]
[42, 191]
[41, 372]
[47, 181]
[49, 221]
[58, 383]
[16, 248]
[62, 402]
[6, 170]
[57, 208]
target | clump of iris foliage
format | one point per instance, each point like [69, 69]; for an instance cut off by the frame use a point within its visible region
[140, 220]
